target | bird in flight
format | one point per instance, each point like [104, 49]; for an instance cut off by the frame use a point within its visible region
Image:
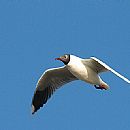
[75, 68]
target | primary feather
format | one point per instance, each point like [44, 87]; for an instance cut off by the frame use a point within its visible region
[51, 80]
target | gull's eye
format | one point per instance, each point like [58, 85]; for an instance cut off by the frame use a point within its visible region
[65, 56]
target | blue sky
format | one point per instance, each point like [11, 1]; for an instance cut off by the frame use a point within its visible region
[34, 32]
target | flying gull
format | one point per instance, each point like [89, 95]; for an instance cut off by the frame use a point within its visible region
[74, 68]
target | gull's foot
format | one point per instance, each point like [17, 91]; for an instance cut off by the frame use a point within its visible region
[100, 87]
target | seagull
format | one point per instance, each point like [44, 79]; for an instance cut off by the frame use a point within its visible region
[75, 68]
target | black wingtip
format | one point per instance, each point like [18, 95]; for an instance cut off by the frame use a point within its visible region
[33, 113]
[40, 98]
[33, 110]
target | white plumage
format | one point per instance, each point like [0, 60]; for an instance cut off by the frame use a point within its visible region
[75, 69]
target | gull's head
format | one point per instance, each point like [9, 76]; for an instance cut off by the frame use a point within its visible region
[65, 58]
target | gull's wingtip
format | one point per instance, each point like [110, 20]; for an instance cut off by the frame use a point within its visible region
[128, 81]
[33, 109]
[125, 79]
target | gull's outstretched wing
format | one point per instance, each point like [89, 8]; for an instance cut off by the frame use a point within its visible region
[51, 80]
[99, 66]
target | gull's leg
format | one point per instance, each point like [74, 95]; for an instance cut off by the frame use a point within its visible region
[100, 87]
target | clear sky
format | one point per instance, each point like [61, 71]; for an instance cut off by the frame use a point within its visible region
[33, 33]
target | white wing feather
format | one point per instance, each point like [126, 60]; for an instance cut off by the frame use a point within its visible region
[110, 69]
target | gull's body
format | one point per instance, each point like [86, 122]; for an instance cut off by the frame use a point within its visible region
[80, 69]
[75, 69]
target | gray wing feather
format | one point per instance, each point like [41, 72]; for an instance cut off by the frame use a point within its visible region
[99, 66]
[51, 80]
[95, 65]
[110, 69]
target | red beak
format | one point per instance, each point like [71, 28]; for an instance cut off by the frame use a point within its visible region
[57, 58]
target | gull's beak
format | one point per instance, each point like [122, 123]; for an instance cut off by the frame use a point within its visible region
[58, 59]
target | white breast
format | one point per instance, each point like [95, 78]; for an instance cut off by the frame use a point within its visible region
[76, 67]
